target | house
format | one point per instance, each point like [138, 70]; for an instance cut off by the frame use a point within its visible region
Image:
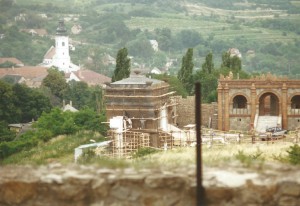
[35, 32]
[88, 76]
[43, 15]
[13, 79]
[108, 60]
[76, 29]
[32, 76]
[11, 60]
[154, 44]
[250, 53]
[69, 107]
[21, 17]
[155, 70]
[234, 52]
[20, 128]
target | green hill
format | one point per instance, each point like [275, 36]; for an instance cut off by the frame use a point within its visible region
[267, 33]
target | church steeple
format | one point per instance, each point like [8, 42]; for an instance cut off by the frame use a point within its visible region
[61, 29]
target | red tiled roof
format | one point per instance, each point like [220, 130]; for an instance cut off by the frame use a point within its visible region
[28, 72]
[12, 60]
[91, 77]
[50, 53]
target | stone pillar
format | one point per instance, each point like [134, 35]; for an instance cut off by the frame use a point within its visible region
[253, 103]
[220, 107]
[226, 108]
[284, 106]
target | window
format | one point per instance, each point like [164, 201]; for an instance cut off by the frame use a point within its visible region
[63, 43]
[295, 102]
[239, 102]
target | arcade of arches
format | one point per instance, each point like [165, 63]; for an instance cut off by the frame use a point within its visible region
[241, 103]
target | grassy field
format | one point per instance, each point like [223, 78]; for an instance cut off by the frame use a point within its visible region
[221, 30]
[59, 149]
[53, 2]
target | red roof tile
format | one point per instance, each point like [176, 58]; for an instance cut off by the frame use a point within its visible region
[91, 77]
[28, 72]
[50, 53]
[12, 60]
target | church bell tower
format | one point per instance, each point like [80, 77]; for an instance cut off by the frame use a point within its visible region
[62, 58]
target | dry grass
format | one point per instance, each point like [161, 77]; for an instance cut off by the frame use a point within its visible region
[217, 155]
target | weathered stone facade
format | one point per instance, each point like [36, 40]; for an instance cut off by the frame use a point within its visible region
[186, 112]
[241, 101]
[89, 185]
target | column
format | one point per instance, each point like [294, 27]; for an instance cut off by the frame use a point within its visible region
[220, 107]
[284, 106]
[253, 104]
[226, 108]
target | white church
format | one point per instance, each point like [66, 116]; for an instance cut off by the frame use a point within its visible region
[59, 56]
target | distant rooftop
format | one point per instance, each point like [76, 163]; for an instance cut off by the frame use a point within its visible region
[135, 79]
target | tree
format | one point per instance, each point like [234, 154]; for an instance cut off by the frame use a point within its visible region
[8, 111]
[175, 84]
[56, 82]
[208, 65]
[30, 102]
[233, 63]
[57, 122]
[5, 134]
[209, 83]
[189, 38]
[79, 93]
[164, 38]
[140, 47]
[87, 119]
[185, 74]
[122, 69]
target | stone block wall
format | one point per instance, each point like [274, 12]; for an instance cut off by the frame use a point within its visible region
[89, 185]
[186, 112]
[240, 123]
[293, 123]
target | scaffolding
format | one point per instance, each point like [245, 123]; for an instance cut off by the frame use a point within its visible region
[147, 103]
[125, 144]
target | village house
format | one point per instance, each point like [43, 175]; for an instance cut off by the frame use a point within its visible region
[88, 76]
[154, 45]
[32, 76]
[11, 60]
[76, 29]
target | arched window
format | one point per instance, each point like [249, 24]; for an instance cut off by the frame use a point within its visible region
[295, 102]
[63, 43]
[239, 102]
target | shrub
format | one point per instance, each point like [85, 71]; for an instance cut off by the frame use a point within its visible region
[248, 160]
[144, 151]
[294, 154]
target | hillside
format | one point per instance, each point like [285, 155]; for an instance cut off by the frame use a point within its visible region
[267, 33]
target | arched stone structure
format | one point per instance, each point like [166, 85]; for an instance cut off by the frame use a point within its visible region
[241, 103]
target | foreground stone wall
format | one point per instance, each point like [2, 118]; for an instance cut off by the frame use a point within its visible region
[89, 185]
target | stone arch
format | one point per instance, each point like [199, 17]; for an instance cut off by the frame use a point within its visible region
[294, 101]
[239, 101]
[269, 103]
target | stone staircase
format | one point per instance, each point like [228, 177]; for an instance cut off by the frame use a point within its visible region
[264, 122]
